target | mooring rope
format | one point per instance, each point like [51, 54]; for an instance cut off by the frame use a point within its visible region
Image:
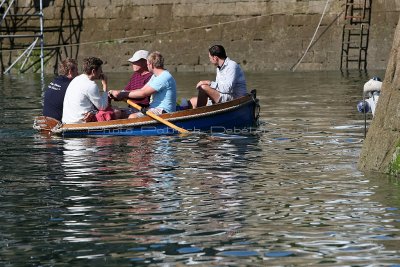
[312, 39]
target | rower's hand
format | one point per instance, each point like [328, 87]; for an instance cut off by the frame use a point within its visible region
[114, 94]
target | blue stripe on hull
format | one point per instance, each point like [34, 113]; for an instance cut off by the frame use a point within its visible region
[242, 117]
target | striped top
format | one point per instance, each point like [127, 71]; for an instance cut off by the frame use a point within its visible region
[137, 81]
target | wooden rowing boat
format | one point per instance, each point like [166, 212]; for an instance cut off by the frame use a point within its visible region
[233, 116]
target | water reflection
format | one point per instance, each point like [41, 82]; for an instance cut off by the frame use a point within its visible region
[287, 194]
[90, 171]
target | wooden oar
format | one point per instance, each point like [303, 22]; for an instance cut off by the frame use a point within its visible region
[157, 118]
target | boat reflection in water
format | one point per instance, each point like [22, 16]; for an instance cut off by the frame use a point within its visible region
[146, 167]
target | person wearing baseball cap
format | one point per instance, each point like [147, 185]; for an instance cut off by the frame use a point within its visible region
[138, 55]
[139, 78]
[162, 88]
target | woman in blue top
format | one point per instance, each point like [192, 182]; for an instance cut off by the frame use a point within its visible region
[162, 87]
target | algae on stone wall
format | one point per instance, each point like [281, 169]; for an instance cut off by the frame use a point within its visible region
[394, 166]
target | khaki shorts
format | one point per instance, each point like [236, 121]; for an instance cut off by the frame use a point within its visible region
[225, 98]
[156, 111]
[222, 98]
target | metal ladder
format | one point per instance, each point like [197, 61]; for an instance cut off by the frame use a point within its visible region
[355, 34]
[14, 26]
[22, 29]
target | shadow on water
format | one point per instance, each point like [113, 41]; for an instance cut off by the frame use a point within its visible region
[288, 194]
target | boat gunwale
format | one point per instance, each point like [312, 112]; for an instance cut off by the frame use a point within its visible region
[175, 116]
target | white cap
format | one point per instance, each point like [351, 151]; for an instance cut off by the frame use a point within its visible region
[139, 55]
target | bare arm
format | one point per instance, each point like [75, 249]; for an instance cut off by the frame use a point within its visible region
[139, 93]
[142, 93]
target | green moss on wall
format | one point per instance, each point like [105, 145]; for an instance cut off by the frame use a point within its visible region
[394, 167]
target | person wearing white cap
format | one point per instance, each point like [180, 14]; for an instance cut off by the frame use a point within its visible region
[162, 87]
[139, 78]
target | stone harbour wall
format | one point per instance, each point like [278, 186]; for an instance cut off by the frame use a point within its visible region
[258, 34]
[381, 148]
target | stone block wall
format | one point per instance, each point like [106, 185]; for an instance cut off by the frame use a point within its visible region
[381, 148]
[258, 34]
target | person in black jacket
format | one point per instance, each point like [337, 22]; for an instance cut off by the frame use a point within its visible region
[55, 92]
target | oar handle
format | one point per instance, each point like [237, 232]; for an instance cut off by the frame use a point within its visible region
[157, 118]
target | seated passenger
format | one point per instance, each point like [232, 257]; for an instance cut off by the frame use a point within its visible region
[229, 84]
[54, 95]
[372, 90]
[162, 88]
[83, 100]
[139, 78]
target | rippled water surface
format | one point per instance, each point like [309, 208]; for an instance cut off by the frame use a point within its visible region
[289, 194]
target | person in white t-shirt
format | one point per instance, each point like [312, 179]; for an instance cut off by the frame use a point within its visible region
[82, 99]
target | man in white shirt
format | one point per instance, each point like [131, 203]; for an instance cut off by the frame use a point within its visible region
[229, 84]
[83, 98]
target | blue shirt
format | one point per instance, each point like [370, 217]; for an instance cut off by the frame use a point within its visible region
[230, 79]
[165, 95]
[54, 97]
